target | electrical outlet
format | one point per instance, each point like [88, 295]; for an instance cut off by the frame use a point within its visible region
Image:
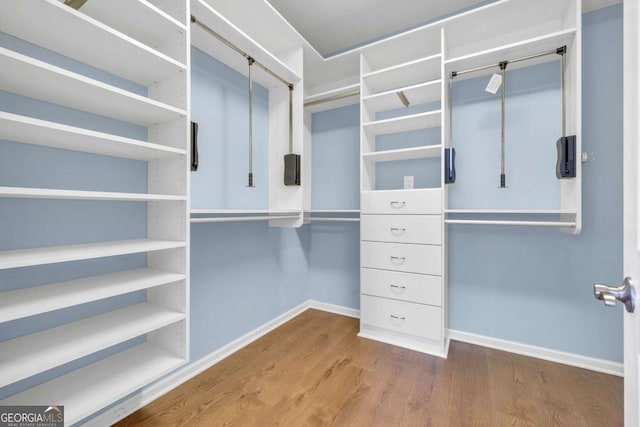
[408, 182]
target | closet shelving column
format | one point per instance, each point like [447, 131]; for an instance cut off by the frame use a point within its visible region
[103, 36]
[285, 202]
[526, 29]
[402, 230]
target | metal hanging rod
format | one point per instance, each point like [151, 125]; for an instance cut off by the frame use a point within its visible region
[208, 29]
[332, 98]
[559, 51]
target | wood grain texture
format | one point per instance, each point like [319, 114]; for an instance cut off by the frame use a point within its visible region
[315, 371]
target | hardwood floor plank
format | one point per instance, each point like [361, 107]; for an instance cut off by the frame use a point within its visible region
[315, 371]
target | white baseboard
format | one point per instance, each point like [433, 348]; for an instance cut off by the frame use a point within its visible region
[171, 381]
[336, 309]
[571, 359]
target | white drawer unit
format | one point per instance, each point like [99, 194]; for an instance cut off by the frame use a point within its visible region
[402, 202]
[423, 321]
[418, 288]
[420, 229]
[423, 259]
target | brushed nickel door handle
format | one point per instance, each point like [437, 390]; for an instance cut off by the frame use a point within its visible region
[625, 293]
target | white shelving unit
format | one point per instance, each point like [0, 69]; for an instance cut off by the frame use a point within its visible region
[287, 65]
[530, 29]
[403, 236]
[107, 36]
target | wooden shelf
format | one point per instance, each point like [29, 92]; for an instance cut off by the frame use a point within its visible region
[28, 130]
[158, 28]
[47, 193]
[512, 51]
[402, 75]
[42, 299]
[54, 254]
[26, 76]
[417, 94]
[87, 390]
[29, 355]
[55, 26]
[419, 121]
[403, 154]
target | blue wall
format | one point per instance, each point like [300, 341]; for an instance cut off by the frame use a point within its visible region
[242, 274]
[529, 285]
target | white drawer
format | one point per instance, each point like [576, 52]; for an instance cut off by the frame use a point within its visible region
[421, 201]
[422, 229]
[399, 316]
[418, 288]
[423, 259]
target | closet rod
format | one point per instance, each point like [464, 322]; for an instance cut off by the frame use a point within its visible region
[529, 223]
[243, 218]
[332, 98]
[335, 219]
[558, 51]
[208, 29]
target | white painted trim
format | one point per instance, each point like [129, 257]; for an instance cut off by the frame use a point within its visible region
[336, 309]
[171, 381]
[571, 359]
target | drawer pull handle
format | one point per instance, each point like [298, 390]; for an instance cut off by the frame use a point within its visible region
[398, 317]
[398, 287]
[397, 204]
[398, 258]
[397, 230]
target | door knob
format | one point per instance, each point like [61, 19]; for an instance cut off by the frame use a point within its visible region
[626, 294]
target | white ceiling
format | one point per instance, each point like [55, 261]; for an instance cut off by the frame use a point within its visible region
[333, 26]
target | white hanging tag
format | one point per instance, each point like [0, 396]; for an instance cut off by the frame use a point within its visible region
[494, 84]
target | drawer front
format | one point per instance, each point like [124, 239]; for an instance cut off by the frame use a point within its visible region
[423, 259]
[402, 202]
[421, 229]
[398, 316]
[410, 287]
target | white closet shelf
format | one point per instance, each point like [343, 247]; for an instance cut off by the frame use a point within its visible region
[403, 154]
[142, 20]
[42, 299]
[327, 211]
[336, 103]
[568, 224]
[87, 390]
[28, 130]
[205, 42]
[402, 75]
[511, 51]
[419, 121]
[242, 211]
[416, 94]
[31, 354]
[47, 193]
[30, 77]
[54, 254]
[509, 211]
[99, 46]
[244, 218]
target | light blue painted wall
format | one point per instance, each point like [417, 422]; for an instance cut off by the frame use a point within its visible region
[531, 285]
[242, 274]
[32, 223]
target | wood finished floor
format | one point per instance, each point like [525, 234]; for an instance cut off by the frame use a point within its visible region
[315, 371]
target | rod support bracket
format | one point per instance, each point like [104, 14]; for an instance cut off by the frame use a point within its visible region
[250, 60]
[454, 74]
[193, 19]
[503, 65]
[561, 50]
